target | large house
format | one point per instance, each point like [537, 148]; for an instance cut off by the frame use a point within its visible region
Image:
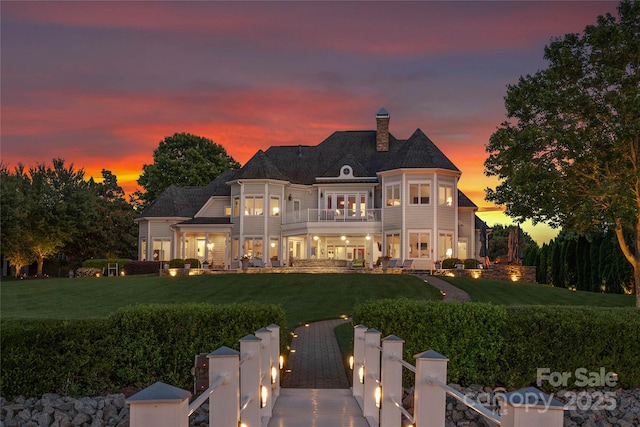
[356, 195]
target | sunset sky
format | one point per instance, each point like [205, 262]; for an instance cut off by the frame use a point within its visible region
[100, 84]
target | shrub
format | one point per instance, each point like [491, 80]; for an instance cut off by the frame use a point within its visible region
[193, 262]
[564, 339]
[176, 263]
[68, 357]
[142, 267]
[504, 346]
[449, 263]
[137, 346]
[470, 263]
[470, 335]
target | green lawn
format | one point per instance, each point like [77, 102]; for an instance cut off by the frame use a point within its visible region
[304, 297]
[504, 292]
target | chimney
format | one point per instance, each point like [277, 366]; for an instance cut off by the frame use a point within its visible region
[382, 130]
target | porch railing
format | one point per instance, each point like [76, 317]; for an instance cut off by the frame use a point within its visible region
[334, 215]
[377, 386]
[243, 387]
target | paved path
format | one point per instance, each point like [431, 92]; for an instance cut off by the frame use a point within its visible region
[315, 360]
[452, 293]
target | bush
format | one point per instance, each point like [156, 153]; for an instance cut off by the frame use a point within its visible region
[470, 263]
[68, 357]
[449, 263]
[176, 263]
[142, 267]
[137, 346]
[504, 346]
[564, 339]
[193, 262]
[470, 334]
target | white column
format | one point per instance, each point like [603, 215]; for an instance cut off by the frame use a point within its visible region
[429, 398]
[391, 378]
[250, 380]
[224, 405]
[159, 405]
[265, 367]
[372, 376]
[275, 358]
[530, 407]
[358, 361]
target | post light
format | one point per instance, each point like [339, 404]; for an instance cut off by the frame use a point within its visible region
[378, 396]
[274, 374]
[361, 374]
[281, 360]
[351, 362]
[264, 394]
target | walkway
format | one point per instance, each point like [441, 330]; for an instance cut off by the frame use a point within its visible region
[451, 293]
[315, 360]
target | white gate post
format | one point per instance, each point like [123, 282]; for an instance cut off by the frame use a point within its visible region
[250, 380]
[371, 376]
[265, 369]
[275, 359]
[530, 407]
[358, 361]
[391, 377]
[224, 405]
[430, 400]
[159, 405]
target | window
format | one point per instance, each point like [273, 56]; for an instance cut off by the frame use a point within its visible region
[296, 210]
[274, 247]
[253, 205]
[236, 206]
[419, 193]
[445, 245]
[227, 211]
[235, 248]
[161, 248]
[393, 195]
[253, 247]
[393, 245]
[274, 206]
[445, 195]
[143, 250]
[419, 244]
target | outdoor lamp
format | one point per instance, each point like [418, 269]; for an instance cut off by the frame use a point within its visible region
[361, 374]
[274, 374]
[378, 396]
[351, 362]
[281, 360]
[264, 394]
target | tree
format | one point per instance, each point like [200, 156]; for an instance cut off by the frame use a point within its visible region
[183, 160]
[499, 242]
[570, 156]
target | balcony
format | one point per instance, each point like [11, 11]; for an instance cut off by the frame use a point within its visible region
[333, 215]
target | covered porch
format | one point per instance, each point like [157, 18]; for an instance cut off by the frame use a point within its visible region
[205, 239]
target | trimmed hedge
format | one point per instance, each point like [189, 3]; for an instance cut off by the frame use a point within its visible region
[142, 267]
[449, 263]
[137, 346]
[504, 346]
[470, 335]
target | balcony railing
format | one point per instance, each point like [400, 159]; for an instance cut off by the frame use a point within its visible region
[334, 215]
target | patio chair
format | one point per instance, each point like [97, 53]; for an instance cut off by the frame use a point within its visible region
[407, 264]
[275, 263]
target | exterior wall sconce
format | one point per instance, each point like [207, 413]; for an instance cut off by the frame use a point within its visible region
[321, 195]
[361, 374]
[351, 362]
[370, 193]
[274, 374]
[378, 396]
[289, 197]
[281, 361]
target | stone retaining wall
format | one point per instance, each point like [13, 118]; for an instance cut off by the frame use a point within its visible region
[515, 273]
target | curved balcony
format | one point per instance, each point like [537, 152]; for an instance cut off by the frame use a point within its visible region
[333, 215]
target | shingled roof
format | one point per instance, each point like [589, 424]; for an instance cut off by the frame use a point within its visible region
[303, 164]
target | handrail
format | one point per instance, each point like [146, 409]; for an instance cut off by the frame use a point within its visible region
[193, 407]
[468, 402]
[403, 411]
[245, 402]
[404, 363]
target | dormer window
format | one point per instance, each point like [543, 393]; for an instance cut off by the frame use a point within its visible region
[346, 172]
